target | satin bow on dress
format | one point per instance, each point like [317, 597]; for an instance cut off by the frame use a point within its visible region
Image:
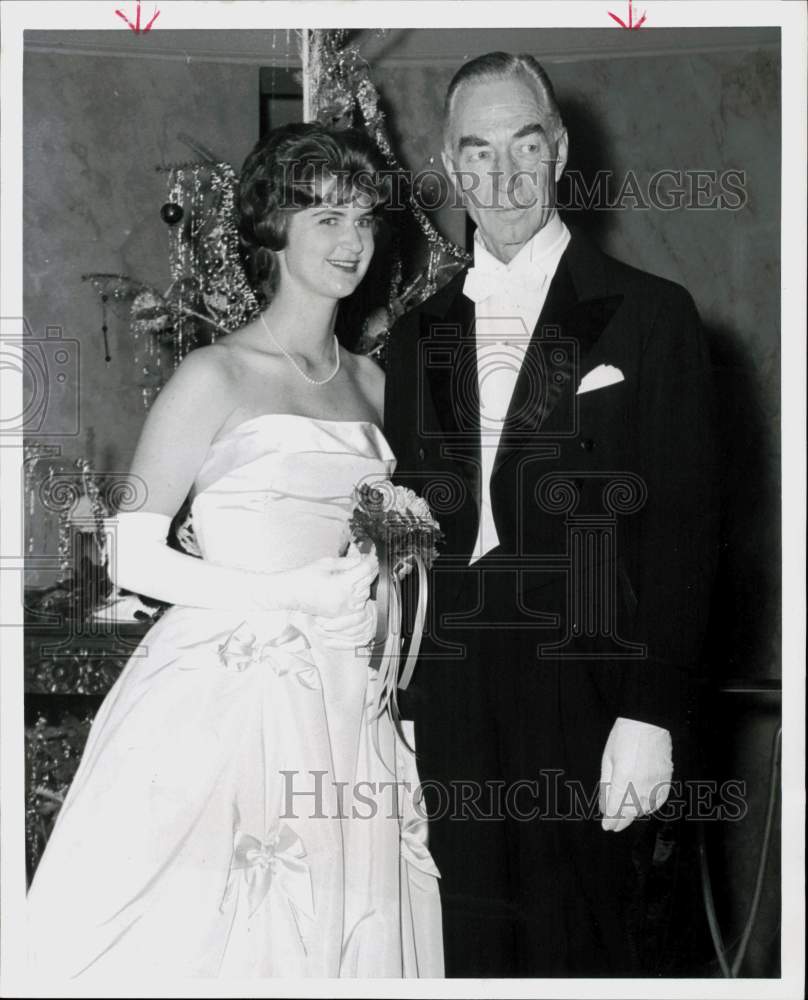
[276, 862]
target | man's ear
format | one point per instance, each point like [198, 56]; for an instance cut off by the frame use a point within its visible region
[562, 147]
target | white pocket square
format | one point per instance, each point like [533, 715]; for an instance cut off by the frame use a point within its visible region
[599, 377]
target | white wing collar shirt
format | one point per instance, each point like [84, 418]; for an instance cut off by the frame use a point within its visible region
[508, 301]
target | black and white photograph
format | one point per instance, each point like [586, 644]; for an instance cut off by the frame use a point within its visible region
[403, 470]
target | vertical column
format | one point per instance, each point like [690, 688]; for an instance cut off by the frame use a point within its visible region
[590, 622]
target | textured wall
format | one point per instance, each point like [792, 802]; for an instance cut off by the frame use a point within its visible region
[95, 130]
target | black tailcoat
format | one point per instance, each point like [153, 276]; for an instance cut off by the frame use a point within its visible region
[593, 606]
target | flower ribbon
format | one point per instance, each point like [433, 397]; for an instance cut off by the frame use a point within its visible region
[388, 641]
[277, 861]
[241, 650]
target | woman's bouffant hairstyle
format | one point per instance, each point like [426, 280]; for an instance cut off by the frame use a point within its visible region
[283, 174]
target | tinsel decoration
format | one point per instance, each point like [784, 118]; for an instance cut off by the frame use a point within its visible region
[52, 491]
[151, 324]
[368, 99]
[98, 507]
[209, 293]
[33, 453]
[339, 84]
[81, 501]
[123, 295]
[52, 755]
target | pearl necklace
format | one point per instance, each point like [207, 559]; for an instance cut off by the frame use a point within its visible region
[286, 354]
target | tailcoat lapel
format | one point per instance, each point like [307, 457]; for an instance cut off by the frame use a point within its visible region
[577, 310]
[450, 362]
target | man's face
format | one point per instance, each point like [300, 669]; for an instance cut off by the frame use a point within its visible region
[505, 158]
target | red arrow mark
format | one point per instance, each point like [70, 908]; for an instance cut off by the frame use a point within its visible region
[631, 26]
[136, 26]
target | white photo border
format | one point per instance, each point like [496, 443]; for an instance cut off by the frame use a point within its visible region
[241, 14]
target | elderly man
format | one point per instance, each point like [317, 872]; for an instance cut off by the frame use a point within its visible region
[555, 407]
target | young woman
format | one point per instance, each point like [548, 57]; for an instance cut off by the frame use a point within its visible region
[232, 815]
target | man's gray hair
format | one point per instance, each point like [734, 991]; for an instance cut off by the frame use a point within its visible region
[498, 66]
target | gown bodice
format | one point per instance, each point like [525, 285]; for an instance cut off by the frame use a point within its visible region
[275, 492]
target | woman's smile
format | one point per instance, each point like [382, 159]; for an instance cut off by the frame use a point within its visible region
[344, 265]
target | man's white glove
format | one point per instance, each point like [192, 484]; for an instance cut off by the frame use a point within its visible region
[635, 772]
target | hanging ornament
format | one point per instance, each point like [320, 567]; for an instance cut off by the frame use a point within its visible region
[171, 213]
[114, 291]
[105, 327]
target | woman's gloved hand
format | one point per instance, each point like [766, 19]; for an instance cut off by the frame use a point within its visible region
[333, 587]
[348, 631]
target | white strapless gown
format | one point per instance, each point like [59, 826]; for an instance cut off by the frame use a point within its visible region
[230, 815]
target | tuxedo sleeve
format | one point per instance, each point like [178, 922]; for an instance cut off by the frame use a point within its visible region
[676, 555]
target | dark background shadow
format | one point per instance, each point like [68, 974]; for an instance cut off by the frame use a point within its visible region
[742, 654]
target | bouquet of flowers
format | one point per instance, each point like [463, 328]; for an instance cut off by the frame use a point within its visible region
[406, 535]
[397, 519]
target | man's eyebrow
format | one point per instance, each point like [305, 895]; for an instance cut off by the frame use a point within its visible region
[472, 140]
[531, 129]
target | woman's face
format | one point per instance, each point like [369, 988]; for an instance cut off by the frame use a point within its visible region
[329, 247]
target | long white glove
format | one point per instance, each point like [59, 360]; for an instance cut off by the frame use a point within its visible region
[348, 631]
[352, 630]
[635, 772]
[141, 561]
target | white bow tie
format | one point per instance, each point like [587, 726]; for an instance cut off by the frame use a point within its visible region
[518, 287]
